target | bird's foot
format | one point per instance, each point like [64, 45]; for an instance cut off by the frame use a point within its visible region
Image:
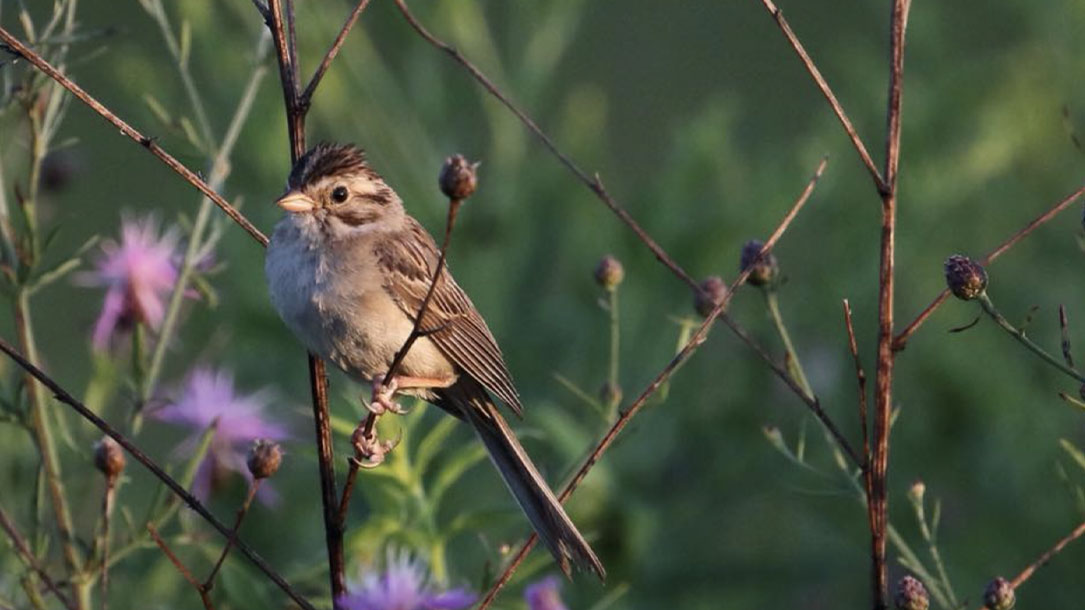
[381, 401]
[369, 449]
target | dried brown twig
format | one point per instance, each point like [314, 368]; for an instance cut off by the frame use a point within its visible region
[1045, 557]
[23, 550]
[205, 595]
[63, 396]
[901, 339]
[687, 350]
[147, 142]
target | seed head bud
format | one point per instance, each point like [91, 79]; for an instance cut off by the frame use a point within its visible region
[916, 491]
[911, 595]
[109, 458]
[763, 270]
[264, 458]
[712, 292]
[458, 178]
[999, 595]
[609, 272]
[966, 278]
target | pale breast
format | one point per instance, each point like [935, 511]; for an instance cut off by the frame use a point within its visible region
[337, 306]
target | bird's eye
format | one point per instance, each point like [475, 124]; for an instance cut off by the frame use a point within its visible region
[340, 194]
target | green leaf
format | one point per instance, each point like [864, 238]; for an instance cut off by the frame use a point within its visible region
[172, 503]
[452, 469]
[186, 43]
[432, 441]
[159, 111]
[1074, 452]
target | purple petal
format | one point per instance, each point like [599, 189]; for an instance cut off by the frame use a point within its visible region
[449, 600]
[544, 594]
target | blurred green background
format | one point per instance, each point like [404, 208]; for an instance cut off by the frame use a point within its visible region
[703, 123]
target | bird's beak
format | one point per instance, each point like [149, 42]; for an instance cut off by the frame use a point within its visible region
[296, 202]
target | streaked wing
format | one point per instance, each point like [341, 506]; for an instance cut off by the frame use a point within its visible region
[408, 262]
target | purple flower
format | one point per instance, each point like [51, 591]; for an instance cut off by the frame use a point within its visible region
[544, 594]
[138, 273]
[404, 585]
[209, 398]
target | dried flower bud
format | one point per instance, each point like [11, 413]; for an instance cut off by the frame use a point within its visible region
[965, 278]
[712, 292]
[610, 393]
[458, 178]
[264, 458]
[109, 457]
[916, 491]
[609, 272]
[763, 270]
[999, 595]
[911, 595]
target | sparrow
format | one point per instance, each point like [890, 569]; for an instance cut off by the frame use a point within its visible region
[348, 269]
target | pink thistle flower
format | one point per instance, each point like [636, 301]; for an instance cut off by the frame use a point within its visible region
[139, 274]
[209, 399]
[404, 585]
[544, 594]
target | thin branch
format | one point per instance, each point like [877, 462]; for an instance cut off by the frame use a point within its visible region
[210, 581]
[595, 184]
[283, 37]
[1047, 555]
[1064, 324]
[878, 501]
[901, 339]
[307, 95]
[823, 85]
[205, 598]
[63, 396]
[627, 415]
[23, 550]
[149, 143]
[860, 377]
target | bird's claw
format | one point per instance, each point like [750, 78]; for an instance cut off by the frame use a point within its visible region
[369, 449]
[381, 401]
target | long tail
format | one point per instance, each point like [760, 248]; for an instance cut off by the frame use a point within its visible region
[534, 496]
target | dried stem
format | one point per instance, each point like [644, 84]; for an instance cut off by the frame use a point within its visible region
[627, 415]
[1047, 555]
[1064, 325]
[901, 339]
[43, 436]
[307, 95]
[108, 500]
[210, 581]
[282, 30]
[149, 143]
[417, 331]
[63, 396]
[823, 85]
[860, 377]
[205, 597]
[23, 550]
[595, 184]
[883, 377]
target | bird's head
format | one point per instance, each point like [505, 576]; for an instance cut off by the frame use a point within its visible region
[332, 185]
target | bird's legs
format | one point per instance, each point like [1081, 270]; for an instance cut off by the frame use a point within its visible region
[369, 450]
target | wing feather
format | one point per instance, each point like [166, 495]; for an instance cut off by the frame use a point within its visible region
[408, 262]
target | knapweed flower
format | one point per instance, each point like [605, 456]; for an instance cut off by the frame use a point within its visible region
[139, 273]
[209, 398]
[403, 585]
[544, 594]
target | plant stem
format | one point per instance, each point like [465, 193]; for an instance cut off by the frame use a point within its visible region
[615, 345]
[207, 584]
[219, 172]
[1019, 334]
[47, 447]
[933, 547]
[791, 356]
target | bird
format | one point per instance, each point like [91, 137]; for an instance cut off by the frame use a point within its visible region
[348, 269]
